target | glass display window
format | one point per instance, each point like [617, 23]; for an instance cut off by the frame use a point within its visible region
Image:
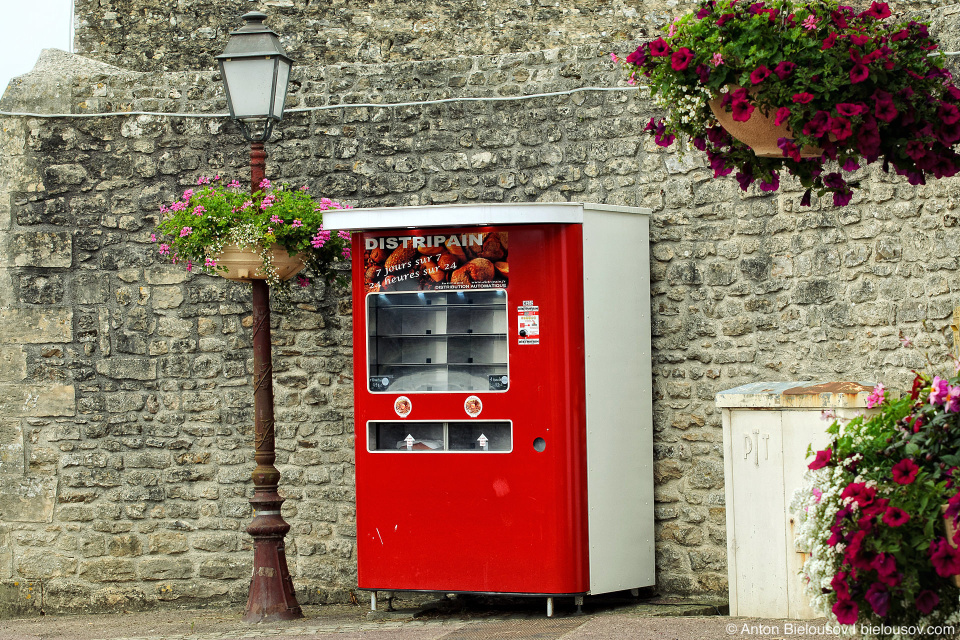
[438, 341]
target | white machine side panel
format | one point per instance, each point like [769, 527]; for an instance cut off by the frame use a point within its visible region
[616, 272]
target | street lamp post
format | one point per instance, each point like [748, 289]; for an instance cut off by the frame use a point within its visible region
[255, 71]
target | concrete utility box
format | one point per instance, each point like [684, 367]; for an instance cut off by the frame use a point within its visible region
[766, 430]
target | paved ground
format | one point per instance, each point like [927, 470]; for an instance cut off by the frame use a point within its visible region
[603, 618]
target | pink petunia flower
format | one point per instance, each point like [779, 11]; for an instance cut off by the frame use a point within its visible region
[953, 400]
[876, 396]
[186, 231]
[810, 23]
[717, 59]
[940, 390]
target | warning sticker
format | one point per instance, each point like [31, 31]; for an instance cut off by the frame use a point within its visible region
[528, 323]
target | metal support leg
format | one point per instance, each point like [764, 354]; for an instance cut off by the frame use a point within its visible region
[389, 596]
[373, 601]
[549, 607]
[635, 593]
[578, 600]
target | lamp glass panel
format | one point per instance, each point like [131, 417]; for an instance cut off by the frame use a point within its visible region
[250, 82]
[283, 75]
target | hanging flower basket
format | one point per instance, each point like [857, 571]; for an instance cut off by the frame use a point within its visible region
[244, 265]
[205, 228]
[858, 86]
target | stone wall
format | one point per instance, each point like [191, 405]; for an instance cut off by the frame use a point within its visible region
[125, 442]
[158, 35]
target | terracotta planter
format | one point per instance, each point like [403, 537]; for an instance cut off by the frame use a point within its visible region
[951, 530]
[245, 265]
[759, 132]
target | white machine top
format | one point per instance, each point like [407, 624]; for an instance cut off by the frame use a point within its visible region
[459, 215]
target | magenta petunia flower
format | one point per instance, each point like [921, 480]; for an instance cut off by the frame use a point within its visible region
[639, 56]
[859, 73]
[948, 113]
[742, 109]
[659, 48]
[818, 125]
[772, 184]
[680, 59]
[839, 584]
[885, 111]
[724, 19]
[859, 40]
[878, 11]
[850, 110]
[759, 74]
[851, 164]
[782, 114]
[784, 69]
[822, 459]
[879, 599]
[926, 601]
[828, 42]
[842, 198]
[905, 471]
[802, 98]
[846, 611]
[944, 558]
[840, 128]
[895, 517]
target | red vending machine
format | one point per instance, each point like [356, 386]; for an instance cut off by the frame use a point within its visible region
[502, 398]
